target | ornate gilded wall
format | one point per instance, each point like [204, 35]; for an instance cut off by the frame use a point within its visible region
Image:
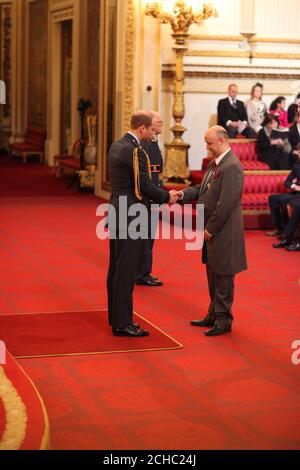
[37, 57]
[92, 72]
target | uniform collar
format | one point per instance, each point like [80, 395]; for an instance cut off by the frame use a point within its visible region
[135, 137]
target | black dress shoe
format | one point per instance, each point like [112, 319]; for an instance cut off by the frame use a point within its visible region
[216, 331]
[153, 277]
[202, 322]
[295, 247]
[136, 325]
[149, 282]
[130, 331]
[281, 244]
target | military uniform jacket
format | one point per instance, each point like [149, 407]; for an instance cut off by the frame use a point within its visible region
[156, 161]
[121, 175]
[223, 215]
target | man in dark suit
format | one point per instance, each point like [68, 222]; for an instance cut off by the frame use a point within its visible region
[294, 138]
[131, 187]
[232, 115]
[293, 223]
[278, 202]
[224, 247]
[144, 277]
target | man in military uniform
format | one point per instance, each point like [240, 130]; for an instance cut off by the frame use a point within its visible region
[129, 175]
[144, 277]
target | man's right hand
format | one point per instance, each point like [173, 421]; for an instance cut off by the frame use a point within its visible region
[175, 195]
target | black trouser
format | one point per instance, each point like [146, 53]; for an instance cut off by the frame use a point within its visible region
[293, 222]
[145, 265]
[146, 260]
[123, 264]
[278, 206]
[248, 132]
[221, 290]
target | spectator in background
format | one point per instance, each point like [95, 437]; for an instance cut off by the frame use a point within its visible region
[291, 227]
[274, 152]
[256, 108]
[232, 115]
[293, 109]
[294, 138]
[278, 109]
[278, 202]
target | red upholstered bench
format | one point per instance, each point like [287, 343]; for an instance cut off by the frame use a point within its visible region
[245, 150]
[258, 186]
[32, 146]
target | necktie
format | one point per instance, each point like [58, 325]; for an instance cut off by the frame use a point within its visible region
[209, 176]
[234, 105]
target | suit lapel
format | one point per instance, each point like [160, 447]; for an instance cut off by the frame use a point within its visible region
[207, 173]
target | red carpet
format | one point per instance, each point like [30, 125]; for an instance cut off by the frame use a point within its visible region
[74, 333]
[23, 419]
[237, 391]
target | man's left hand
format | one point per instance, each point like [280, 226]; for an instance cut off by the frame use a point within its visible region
[207, 236]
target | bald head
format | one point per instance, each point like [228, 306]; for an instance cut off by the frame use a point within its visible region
[217, 131]
[216, 139]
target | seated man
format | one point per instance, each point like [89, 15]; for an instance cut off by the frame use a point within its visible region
[291, 227]
[278, 202]
[232, 115]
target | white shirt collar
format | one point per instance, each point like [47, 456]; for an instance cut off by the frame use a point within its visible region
[136, 138]
[219, 158]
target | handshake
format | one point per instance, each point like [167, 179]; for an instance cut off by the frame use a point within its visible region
[174, 196]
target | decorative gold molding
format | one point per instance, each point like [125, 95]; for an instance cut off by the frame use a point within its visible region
[266, 172]
[275, 55]
[276, 40]
[243, 54]
[130, 40]
[216, 53]
[215, 74]
[58, 16]
[256, 212]
[208, 37]
[234, 66]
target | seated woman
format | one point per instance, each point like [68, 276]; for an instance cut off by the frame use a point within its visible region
[278, 109]
[274, 152]
[256, 108]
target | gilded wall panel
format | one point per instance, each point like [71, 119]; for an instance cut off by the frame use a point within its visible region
[6, 55]
[92, 64]
[37, 67]
[129, 63]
